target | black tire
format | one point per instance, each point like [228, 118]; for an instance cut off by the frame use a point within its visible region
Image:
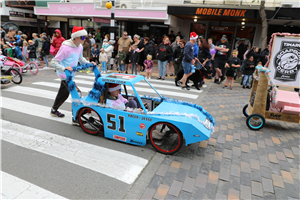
[245, 110]
[16, 76]
[170, 138]
[255, 121]
[90, 121]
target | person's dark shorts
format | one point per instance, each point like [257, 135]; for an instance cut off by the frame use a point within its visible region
[219, 63]
[127, 60]
[230, 73]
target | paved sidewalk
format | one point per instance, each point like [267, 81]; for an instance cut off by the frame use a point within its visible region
[235, 163]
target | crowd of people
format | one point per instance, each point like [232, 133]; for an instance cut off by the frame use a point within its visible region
[135, 54]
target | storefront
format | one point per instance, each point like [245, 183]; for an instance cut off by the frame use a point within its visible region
[235, 22]
[93, 18]
[213, 22]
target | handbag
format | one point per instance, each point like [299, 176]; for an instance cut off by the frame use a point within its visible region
[52, 49]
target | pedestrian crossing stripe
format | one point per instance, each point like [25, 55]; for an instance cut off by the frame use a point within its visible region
[148, 91]
[16, 188]
[118, 165]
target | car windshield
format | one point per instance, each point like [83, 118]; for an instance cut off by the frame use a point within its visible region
[144, 88]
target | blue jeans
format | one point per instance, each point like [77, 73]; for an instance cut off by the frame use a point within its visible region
[133, 66]
[32, 59]
[103, 66]
[122, 67]
[162, 66]
[46, 60]
[24, 59]
[247, 79]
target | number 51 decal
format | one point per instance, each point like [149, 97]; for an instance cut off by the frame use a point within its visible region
[111, 119]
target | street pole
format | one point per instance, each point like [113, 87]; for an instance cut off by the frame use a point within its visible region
[112, 20]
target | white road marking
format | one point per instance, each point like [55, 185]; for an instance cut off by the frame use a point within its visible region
[139, 89]
[34, 109]
[121, 166]
[16, 188]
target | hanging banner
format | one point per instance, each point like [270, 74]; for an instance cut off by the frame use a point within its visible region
[285, 61]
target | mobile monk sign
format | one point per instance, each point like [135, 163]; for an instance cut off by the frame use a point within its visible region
[284, 62]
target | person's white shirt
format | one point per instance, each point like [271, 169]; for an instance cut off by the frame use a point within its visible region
[92, 41]
[109, 50]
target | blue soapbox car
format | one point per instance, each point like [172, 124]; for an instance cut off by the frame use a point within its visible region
[166, 123]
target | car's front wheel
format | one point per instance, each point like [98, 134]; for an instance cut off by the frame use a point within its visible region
[90, 121]
[165, 138]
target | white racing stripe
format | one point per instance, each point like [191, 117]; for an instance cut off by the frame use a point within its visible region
[150, 80]
[139, 89]
[142, 83]
[16, 188]
[34, 109]
[115, 164]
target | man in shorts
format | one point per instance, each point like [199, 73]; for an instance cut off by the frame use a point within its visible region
[220, 59]
[188, 60]
[124, 42]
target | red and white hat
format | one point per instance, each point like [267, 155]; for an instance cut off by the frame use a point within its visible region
[78, 31]
[193, 36]
[113, 87]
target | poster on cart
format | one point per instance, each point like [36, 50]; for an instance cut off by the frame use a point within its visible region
[285, 61]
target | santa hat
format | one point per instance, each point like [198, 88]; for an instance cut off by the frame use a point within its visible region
[193, 36]
[78, 31]
[113, 87]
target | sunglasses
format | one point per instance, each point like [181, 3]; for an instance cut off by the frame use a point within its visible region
[223, 38]
[234, 53]
[125, 34]
[82, 37]
[180, 43]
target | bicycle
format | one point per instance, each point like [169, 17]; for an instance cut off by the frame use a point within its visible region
[31, 66]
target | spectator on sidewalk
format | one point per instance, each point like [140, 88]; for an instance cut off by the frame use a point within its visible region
[38, 43]
[45, 49]
[57, 41]
[103, 60]
[11, 33]
[121, 56]
[233, 63]
[31, 49]
[188, 60]
[124, 43]
[109, 50]
[92, 40]
[164, 52]
[95, 53]
[149, 48]
[134, 58]
[171, 36]
[248, 71]
[178, 56]
[24, 51]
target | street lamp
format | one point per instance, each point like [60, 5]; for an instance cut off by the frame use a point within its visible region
[111, 5]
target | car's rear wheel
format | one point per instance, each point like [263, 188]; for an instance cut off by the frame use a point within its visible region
[165, 138]
[90, 121]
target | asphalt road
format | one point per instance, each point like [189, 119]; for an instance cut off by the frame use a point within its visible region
[45, 157]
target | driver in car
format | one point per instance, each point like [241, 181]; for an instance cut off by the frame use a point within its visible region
[115, 99]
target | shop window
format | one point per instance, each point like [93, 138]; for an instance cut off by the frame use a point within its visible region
[245, 33]
[199, 29]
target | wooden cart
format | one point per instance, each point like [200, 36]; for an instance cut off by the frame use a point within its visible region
[257, 114]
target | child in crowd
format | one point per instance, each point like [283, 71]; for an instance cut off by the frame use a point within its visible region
[232, 64]
[40, 56]
[148, 64]
[105, 44]
[2, 57]
[134, 58]
[24, 51]
[248, 71]
[9, 51]
[121, 56]
[103, 59]
[259, 64]
[17, 51]
[31, 51]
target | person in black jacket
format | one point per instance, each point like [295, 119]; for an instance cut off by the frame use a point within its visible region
[266, 53]
[248, 71]
[45, 49]
[256, 56]
[134, 58]
[178, 56]
[31, 51]
[164, 52]
[149, 48]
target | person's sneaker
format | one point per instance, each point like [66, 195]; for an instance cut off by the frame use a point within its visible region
[244, 87]
[222, 79]
[138, 73]
[248, 87]
[126, 72]
[231, 88]
[179, 83]
[225, 86]
[75, 123]
[171, 74]
[56, 113]
[158, 77]
[162, 78]
[185, 88]
[149, 77]
[88, 71]
[218, 82]
[156, 134]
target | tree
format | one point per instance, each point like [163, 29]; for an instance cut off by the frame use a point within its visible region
[264, 22]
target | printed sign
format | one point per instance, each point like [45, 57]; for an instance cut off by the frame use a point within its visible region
[142, 126]
[285, 61]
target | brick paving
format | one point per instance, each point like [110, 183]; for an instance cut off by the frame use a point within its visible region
[236, 162]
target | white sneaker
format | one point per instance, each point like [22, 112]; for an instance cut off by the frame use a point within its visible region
[138, 73]
[149, 77]
[156, 134]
